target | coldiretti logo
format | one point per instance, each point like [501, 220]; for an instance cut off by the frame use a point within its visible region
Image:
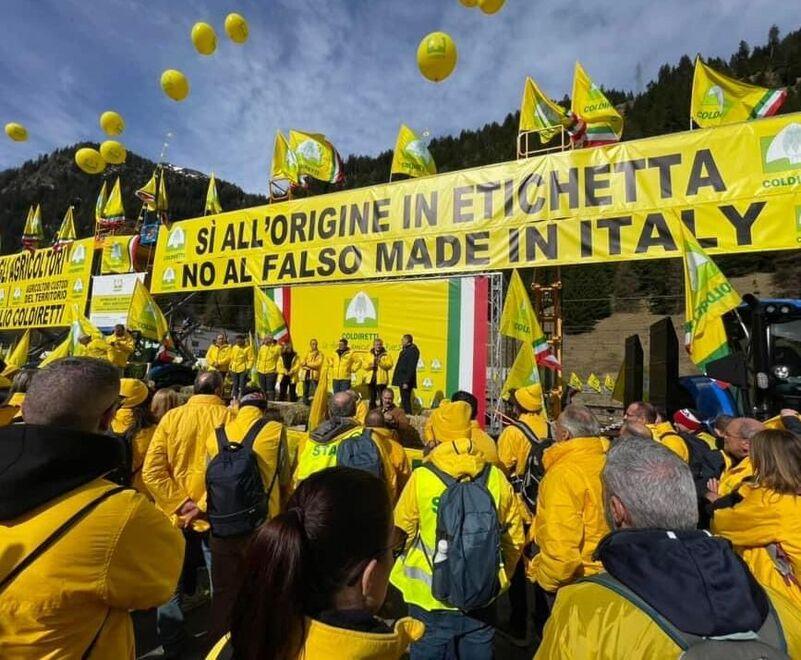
[168, 277]
[361, 311]
[714, 104]
[782, 153]
[176, 240]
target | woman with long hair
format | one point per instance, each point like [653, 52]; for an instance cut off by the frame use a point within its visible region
[135, 423]
[164, 400]
[764, 524]
[317, 574]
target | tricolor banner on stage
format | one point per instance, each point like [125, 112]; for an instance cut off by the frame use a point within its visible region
[455, 359]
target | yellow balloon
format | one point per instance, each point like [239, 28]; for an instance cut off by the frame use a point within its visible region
[436, 56]
[175, 84]
[204, 38]
[469, 3]
[113, 152]
[112, 123]
[16, 132]
[236, 27]
[90, 160]
[490, 6]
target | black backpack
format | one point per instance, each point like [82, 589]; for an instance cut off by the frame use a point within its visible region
[237, 503]
[527, 484]
[704, 462]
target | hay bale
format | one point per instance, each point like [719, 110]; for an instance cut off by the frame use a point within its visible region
[293, 414]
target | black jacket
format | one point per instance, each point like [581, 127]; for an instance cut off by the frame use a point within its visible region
[40, 463]
[406, 367]
[691, 578]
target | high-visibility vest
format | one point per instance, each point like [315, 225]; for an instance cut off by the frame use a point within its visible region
[318, 456]
[412, 573]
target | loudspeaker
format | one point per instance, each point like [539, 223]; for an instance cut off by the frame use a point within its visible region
[663, 367]
[632, 370]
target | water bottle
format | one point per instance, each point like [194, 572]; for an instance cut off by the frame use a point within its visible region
[442, 551]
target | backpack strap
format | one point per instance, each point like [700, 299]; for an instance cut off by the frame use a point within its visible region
[222, 438]
[528, 432]
[445, 478]
[57, 534]
[253, 433]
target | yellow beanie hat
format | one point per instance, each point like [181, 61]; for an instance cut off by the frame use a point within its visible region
[529, 398]
[133, 392]
[451, 421]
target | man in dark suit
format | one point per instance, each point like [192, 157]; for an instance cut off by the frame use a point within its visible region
[405, 376]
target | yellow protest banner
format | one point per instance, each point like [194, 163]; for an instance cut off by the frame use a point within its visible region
[38, 288]
[737, 187]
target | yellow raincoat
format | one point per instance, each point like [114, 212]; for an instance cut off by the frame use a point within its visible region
[120, 349]
[762, 518]
[514, 447]
[401, 470]
[733, 476]
[123, 420]
[175, 464]
[241, 359]
[218, 358]
[312, 363]
[122, 556]
[385, 364]
[590, 621]
[324, 642]
[481, 441]
[666, 434]
[267, 359]
[342, 366]
[570, 520]
[269, 446]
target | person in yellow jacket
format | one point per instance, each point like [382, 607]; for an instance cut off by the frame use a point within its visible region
[175, 474]
[267, 366]
[136, 423]
[416, 516]
[661, 430]
[342, 364]
[120, 346]
[288, 368]
[658, 554]
[240, 365]
[570, 520]
[74, 598]
[377, 366]
[270, 450]
[513, 445]
[764, 520]
[737, 462]
[93, 347]
[385, 438]
[310, 368]
[218, 356]
[481, 441]
[318, 575]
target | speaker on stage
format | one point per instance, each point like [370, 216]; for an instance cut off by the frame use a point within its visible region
[663, 367]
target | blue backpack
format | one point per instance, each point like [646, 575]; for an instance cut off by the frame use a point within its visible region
[467, 555]
[361, 452]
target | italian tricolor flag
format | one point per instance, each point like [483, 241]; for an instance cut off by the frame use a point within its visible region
[769, 104]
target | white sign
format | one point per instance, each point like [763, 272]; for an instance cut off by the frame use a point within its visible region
[111, 297]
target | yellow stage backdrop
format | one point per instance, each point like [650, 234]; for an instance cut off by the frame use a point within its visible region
[38, 288]
[738, 187]
[447, 317]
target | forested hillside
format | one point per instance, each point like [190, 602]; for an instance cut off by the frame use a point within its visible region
[590, 292]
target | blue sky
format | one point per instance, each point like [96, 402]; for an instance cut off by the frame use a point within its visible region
[342, 67]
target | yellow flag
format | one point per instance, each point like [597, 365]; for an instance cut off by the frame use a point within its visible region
[575, 381]
[64, 349]
[118, 254]
[619, 390]
[66, 233]
[540, 113]
[519, 321]
[609, 382]
[100, 204]
[147, 193]
[319, 401]
[212, 201]
[33, 232]
[708, 295]
[411, 155]
[269, 318]
[604, 125]
[145, 316]
[285, 164]
[114, 212]
[18, 358]
[594, 383]
[524, 371]
[719, 99]
[316, 156]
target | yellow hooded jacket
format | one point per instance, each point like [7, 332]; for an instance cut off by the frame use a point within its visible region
[385, 364]
[733, 475]
[514, 447]
[123, 420]
[175, 464]
[241, 359]
[120, 349]
[267, 359]
[324, 642]
[269, 447]
[570, 520]
[665, 434]
[124, 555]
[342, 366]
[416, 515]
[590, 621]
[762, 518]
[401, 470]
[481, 441]
[218, 358]
[313, 363]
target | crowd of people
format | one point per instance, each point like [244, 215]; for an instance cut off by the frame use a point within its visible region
[671, 535]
